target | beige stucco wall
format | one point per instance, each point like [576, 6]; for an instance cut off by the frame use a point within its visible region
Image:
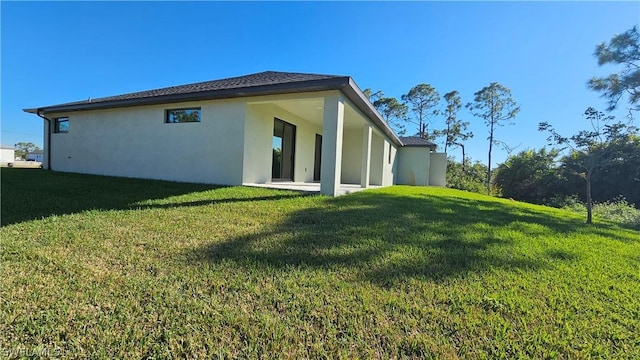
[259, 142]
[258, 145]
[438, 169]
[413, 166]
[231, 145]
[351, 156]
[389, 164]
[136, 142]
[377, 154]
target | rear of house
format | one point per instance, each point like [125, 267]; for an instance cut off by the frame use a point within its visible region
[253, 129]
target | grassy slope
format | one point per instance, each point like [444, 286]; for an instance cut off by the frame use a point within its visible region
[113, 267]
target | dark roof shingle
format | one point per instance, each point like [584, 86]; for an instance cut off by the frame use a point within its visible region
[266, 78]
[240, 82]
[416, 141]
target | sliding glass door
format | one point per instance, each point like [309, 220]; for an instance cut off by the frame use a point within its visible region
[284, 144]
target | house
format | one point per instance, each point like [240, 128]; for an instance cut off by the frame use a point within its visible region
[260, 128]
[37, 155]
[7, 154]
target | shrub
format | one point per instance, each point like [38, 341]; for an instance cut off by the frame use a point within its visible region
[618, 210]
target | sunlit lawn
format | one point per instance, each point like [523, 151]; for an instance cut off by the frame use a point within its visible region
[120, 268]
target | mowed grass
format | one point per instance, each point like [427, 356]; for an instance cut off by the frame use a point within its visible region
[106, 267]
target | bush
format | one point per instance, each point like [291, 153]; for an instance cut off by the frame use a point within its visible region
[472, 178]
[618, 210]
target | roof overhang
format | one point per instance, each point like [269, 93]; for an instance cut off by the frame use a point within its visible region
[344, 84]
[431, 146]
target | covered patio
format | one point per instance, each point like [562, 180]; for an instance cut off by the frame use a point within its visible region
[311, 188]
[321, 142]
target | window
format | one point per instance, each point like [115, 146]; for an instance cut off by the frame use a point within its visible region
[61, 125]
[182, 115]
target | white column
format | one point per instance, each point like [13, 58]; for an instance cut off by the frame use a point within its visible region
[332, 128]
[366, 157]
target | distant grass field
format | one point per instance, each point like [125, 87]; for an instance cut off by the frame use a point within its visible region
[106, 267]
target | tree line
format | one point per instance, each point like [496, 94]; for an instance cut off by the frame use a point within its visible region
[599, 163]
[421, 105]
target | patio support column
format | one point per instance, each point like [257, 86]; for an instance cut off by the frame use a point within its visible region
[332, 128]
[366, 157]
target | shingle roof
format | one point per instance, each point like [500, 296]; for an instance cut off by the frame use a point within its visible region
[266, 78]
[240, 82]
[416, 141]
[259, 84]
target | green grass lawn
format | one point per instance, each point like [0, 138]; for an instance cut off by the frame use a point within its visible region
[118, 268]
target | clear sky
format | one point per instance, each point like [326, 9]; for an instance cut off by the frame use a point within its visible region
[55, 52]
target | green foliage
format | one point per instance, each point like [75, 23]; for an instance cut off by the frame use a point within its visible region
[620, 177]
[455, 133]
[393, 112]
[469, 177]
[493, 104]
[101, 267]
[422, 100]
[601, 147]
[531, 176]
[618, 210]
[23, 148]
[623, 49]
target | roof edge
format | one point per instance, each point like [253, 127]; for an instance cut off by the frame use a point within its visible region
[430, 146]
[336, 83]
[362, 102]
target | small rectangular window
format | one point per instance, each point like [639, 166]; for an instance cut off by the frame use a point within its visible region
[182, 115]
[61, 125]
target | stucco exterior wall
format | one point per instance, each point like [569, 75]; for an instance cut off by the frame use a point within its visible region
[389, 164]
[413, 166]
[351, 156]
[377, 154]
[438, 169]
[136, 142]
[231, 145]
[259, 143]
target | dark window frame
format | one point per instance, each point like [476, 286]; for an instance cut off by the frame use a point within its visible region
[168, 111]
[56, 125]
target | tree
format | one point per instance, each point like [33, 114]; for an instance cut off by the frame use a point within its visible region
[591, 150]
[392, 111]
[23, 148]
[495, 106]
[470, 178]
[456, 131]
[531, 176]
[622, 49]
[422, 100]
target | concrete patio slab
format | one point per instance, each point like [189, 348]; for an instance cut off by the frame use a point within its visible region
[313, 188]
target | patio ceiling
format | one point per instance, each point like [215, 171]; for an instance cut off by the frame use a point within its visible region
[311, 109]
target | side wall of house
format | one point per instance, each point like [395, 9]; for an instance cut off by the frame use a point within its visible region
[438, 169]
[351, 156]
[389, 166]
[136, 142]
[413, 166]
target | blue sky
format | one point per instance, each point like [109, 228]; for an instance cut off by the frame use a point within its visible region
[55, 52]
